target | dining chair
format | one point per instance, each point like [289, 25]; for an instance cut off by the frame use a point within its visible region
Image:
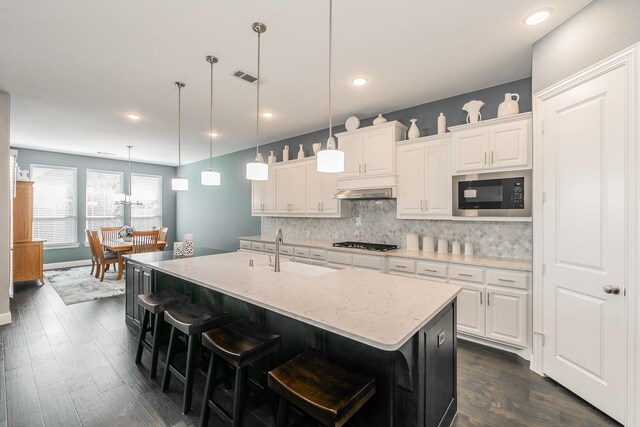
[163, 233]
[104, 258]
[144, 241]
[94, 261]
[110, 233]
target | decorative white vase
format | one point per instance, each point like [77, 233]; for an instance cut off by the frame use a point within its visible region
[301, 152]
[316, 147]
[259, 158]
[378, 120]
[272, 158]
[177, 248]
[187, 248]
[473, 111]
[442, 124]
[285, 154]
[413, 132]
[509, 106]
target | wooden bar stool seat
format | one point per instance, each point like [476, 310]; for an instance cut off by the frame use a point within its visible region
[321, 389]
[155, 304]
[191, 320]
[239, 344]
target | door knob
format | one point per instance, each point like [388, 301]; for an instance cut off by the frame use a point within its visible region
[611, 289]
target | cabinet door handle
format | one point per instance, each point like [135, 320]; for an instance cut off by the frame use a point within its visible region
[322, 206]
[421, 207]
[365, 168]
[400, 266]
[480, 298]
[506, 280]
[465, 275]
[430, 271]
[318, 206]
[485, 158]
[488, 298]
[359, 169]
[491, 156]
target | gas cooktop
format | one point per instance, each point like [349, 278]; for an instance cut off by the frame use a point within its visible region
[380, 247]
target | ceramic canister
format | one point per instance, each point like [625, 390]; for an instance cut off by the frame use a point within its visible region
[443, 246]
[455, 248]
[468, 248]
[413, 242]
[177, 248]
[428, 244]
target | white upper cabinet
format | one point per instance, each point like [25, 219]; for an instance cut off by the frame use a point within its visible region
[369, 155]
[291, 193]
[320, 190]
[424, 177]
[263, 195]
[496, 144]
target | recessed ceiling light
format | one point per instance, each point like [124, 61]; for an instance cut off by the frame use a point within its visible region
[538, 17]
[360, 81]
[133, 116]
[267, 114]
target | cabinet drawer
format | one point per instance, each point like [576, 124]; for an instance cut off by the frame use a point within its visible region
[301, 252]
[403, 265]
[512, 279]
[368, 261]
[257, 246]
[469, 274]
[270, 248]
[286, 250]
[434, 269]
[245, 245]
[343, 258]
[318, 254]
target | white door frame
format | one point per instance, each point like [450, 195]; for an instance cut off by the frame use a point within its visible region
[630, 58]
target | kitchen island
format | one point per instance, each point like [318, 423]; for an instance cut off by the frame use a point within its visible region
[399, 330]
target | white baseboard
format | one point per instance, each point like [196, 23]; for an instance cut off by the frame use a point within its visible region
[5, 318]
[67, 264]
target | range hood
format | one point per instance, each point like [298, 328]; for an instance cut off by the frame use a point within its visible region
[365, 194]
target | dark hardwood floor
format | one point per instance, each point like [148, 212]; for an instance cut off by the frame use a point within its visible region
[73, 365]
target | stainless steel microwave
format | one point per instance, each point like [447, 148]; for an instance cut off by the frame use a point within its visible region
[493, 194]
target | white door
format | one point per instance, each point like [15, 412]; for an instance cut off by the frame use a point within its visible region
[584, 236]
[411, 179]
[329, 186]
[283, 189]
[509, 145]
[351, 145]
[438, 178]
[378, 152]
[269, 192]
[507, 315]
[257, 197]
[298, 187]
[314, 189]
[470, 150]
[471, 311]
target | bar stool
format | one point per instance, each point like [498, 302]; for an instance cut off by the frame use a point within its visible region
[191, 320]
[323, 390]
[239, 344]
[155, 304]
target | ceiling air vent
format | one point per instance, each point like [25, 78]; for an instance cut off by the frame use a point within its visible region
[245, 76]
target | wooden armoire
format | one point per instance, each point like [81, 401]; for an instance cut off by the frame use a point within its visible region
[27, 253]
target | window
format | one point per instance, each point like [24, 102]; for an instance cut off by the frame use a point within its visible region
[54, 204]
[102, 188]
[148, 190]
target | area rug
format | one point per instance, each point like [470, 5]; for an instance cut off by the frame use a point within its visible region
[75, 285]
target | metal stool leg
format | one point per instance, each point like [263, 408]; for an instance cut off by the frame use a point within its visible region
[188, 386]
[208, 390]
[143, 332]
[167, 373]
[240, 395]
[156, 343]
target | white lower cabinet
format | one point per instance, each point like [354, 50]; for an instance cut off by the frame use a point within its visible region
[471, 309]
[507, 314]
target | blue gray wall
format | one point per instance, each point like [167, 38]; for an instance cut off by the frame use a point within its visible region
[26, 157]
[217, 216]
[601, 29]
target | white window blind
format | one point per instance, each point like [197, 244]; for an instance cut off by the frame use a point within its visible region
[101, 191]
[55, 204]
[148, 190]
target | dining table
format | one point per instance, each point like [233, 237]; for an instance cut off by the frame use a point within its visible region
[122, 247]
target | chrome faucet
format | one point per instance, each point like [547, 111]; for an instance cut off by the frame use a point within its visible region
[276, 264]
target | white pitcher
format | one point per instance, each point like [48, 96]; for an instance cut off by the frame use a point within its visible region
[509, 106]
[473, 111]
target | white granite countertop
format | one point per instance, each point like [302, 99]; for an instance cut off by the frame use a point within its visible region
[376, 309]
[493, 262]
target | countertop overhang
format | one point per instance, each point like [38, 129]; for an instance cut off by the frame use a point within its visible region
[376, 309]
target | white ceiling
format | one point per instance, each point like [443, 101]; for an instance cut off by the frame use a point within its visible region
[75, 68]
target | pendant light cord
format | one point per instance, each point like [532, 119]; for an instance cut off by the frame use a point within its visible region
[180, 86]
[330, 42]
[258, 101]
[211, 121]
[129, 147]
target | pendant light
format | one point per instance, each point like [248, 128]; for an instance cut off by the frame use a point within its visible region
[258, 170]
[179, 183]
[210, 177]
[125, 199]
[330, 160]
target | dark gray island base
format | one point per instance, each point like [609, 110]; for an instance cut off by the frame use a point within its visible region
[415, 384]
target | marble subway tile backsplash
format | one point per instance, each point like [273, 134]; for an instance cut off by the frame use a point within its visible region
[375, 221]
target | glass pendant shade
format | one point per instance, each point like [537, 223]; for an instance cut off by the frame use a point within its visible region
[257, 171]
[210, 178]
[179, 184]
[330, 161]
